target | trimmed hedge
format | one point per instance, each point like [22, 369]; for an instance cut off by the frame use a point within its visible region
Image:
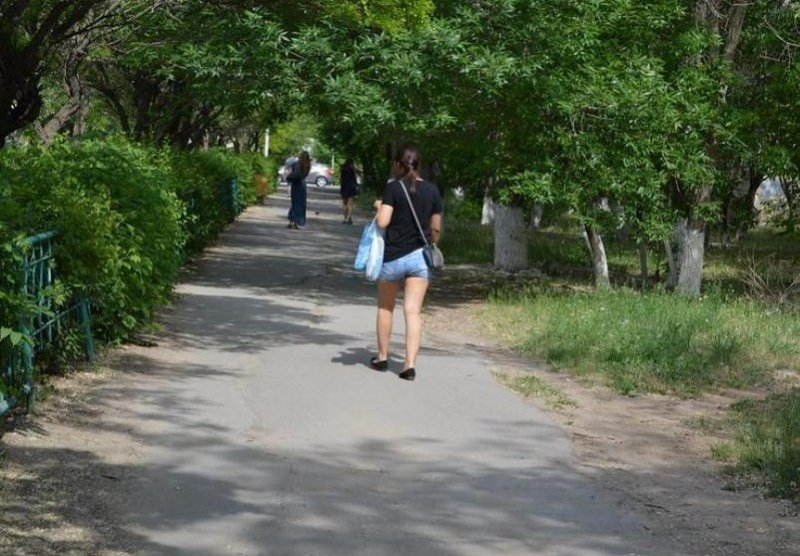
[127, 217]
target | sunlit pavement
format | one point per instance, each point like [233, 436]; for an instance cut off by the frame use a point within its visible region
[262, 430]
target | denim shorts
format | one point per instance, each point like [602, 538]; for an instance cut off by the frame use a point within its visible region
[409, 266]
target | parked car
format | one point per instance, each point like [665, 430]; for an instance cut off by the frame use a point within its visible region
[320, 175]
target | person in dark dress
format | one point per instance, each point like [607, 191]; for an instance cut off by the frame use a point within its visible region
[298, 171]
[349, 188]
[403, 261]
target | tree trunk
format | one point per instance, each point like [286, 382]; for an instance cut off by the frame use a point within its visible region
[74, 53]
[510, 238]
[674, 249]
[81, 114]
[724, 20]
[20, 103]
[536, 217]
[750, 203]
[599, 260]
[790, 192]
[643, 260]
[691, 255]
[48, 130]
[144, 93]
[672, 266]
[488, 211]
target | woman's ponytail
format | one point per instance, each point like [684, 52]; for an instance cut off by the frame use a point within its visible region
[304, 164]
[407, 157]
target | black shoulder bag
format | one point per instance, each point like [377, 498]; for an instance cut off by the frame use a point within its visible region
[433, 255]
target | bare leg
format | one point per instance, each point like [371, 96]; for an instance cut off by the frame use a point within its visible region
[345, 208]
[387, 296]
[348, 208]
[412, 306]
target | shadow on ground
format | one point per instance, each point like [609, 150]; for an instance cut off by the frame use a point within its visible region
[159, 463]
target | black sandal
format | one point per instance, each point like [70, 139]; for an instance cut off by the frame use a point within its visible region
[408, 374]
[379, 365]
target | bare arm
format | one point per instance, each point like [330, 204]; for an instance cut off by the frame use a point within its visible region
[436, 227]
[384, 215]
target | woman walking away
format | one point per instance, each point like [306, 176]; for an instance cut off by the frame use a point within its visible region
[349, 189]
[403, 262]
[298, 171]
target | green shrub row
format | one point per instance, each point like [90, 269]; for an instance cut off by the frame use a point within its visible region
[127, 216]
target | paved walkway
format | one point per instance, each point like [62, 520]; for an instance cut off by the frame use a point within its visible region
[260, 430]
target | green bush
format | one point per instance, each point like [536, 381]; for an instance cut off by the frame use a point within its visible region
[126, 216]
[203, 181]
[261, 166]
[118, 220]
[463, 210]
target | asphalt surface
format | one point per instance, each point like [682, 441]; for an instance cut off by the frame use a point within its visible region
[260, 429]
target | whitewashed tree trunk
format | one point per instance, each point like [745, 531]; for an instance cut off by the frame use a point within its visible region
[536, 217]
[599, 260]
[674, 248]
[692, 253]
[488, 212]
[510, 238]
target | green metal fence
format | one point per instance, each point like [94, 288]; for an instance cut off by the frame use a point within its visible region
[45, 324]
[230, 199]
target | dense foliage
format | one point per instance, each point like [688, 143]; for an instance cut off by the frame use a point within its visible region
[656, 122]
[126, 216]
[661, 119]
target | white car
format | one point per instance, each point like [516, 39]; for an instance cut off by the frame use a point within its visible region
[320, 175]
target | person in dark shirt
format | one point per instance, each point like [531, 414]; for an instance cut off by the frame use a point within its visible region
[298, 171]
[403, 262]
[349, 189]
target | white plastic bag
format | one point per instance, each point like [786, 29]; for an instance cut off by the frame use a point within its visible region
[363, 246]
[375, 255]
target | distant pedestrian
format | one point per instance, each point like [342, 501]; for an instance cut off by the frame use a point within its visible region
[298, 171]
[349, 188]
[403, 261]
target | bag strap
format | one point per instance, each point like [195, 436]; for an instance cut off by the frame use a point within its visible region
[414, 212]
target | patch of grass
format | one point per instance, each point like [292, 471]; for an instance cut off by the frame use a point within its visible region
[722, 451]
[465, 242]
[651, 342]
[554, 251]
[44, 392]
[766, 440]
[532, 386]
[704, 425]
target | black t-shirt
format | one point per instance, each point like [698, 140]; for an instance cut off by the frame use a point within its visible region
[402, 234]
[349, 181]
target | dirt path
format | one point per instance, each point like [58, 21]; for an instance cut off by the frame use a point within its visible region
[255, 427]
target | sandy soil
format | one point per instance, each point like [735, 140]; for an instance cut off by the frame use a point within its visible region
[642, 448]
[58, 470]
